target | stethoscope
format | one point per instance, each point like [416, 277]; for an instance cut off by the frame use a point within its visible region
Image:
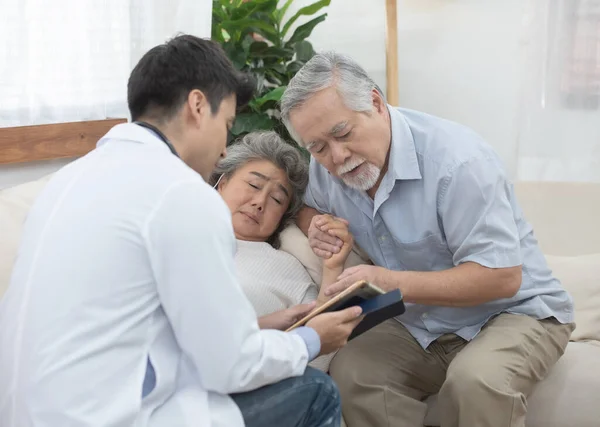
[160, 135]
[164, 139]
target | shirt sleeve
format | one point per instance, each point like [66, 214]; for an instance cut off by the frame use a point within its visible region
[311, 339]
[477, 215]
[191, 247]
[313, 197]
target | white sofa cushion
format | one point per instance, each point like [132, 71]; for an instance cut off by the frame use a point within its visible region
[564, 215]
[581, 278]
[566, 397]
[294, 242]
[15, 203]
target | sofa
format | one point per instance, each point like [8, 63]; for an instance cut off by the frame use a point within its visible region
[565, 219]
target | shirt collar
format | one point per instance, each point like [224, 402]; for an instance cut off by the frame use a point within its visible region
[134, 133]
[402, 163]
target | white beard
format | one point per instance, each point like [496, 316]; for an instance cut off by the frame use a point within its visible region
[365, 180]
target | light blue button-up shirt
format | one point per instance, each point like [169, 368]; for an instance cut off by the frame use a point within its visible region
[444, 200]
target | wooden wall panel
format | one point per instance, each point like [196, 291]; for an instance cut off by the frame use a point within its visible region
[53, 141]
[391, 52]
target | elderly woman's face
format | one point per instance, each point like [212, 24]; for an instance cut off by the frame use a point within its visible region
[258, 194]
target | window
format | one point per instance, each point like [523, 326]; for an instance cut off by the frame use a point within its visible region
[69, 60]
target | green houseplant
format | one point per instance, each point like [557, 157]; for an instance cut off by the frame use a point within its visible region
[257, 40]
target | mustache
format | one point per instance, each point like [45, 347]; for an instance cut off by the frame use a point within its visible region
[350, 164]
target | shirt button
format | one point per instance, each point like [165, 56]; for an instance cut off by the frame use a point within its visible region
[382, 238]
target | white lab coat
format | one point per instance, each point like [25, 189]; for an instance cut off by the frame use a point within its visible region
[127, 255]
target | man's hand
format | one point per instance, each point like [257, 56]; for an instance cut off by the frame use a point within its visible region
[322, 243]
[334, 328]
[283, 319]
[336, 228]
[378, 276]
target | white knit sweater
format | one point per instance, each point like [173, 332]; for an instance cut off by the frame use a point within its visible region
[274, 280]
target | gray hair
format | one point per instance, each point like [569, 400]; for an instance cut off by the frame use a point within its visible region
[323, 71]
[268, 145]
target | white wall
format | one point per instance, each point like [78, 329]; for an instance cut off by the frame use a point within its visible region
[19, 173]
[457, 59]
[353, 27]
[460, 60]
[480, 63]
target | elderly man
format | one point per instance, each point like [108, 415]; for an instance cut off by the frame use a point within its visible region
[431, 204]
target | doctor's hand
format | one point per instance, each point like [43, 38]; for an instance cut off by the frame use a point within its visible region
[334, 328]
[323, 243]
[283, 319]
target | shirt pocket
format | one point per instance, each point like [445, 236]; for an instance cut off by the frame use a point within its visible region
[428, 254]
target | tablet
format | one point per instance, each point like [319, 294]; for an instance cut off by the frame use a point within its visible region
[355, 294]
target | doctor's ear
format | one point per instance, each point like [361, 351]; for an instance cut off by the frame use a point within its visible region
[198, 103]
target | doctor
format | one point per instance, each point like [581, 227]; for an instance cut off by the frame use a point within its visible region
[124, 308]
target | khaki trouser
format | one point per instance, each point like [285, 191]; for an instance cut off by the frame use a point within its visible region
[384, 375]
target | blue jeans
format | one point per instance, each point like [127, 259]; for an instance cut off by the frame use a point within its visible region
[311, 400]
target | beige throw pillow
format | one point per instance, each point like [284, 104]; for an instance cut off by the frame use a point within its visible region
[294, 242]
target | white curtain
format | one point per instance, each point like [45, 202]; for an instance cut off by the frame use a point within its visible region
[69, 60]
[559, 129]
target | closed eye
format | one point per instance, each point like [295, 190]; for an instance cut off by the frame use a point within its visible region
[254, 186]
[276, 200]
[346, 135]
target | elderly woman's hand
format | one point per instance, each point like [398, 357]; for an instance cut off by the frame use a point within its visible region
[283, 319]
[336, 228]
[324, 244]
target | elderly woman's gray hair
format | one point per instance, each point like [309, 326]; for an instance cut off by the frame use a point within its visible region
[323, 71]
[268, 145]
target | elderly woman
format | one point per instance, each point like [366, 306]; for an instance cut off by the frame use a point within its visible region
[263, 180]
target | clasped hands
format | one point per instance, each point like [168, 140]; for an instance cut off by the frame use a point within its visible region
[331, 240]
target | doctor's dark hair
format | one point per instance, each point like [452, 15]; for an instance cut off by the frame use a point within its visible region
[161, 81]
[268, 145]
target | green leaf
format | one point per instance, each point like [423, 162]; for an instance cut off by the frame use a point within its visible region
[256, 48]
[218, 14]
[304, 51]
[250, 25]
[263, 50]
[251, 7]
[276, 78]
[307, 10]
[280, 68]
[246, 43]
[303, 31]
[274, 95]
[280, 13]
[294, 67]
[237, 56]
[248, 122]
